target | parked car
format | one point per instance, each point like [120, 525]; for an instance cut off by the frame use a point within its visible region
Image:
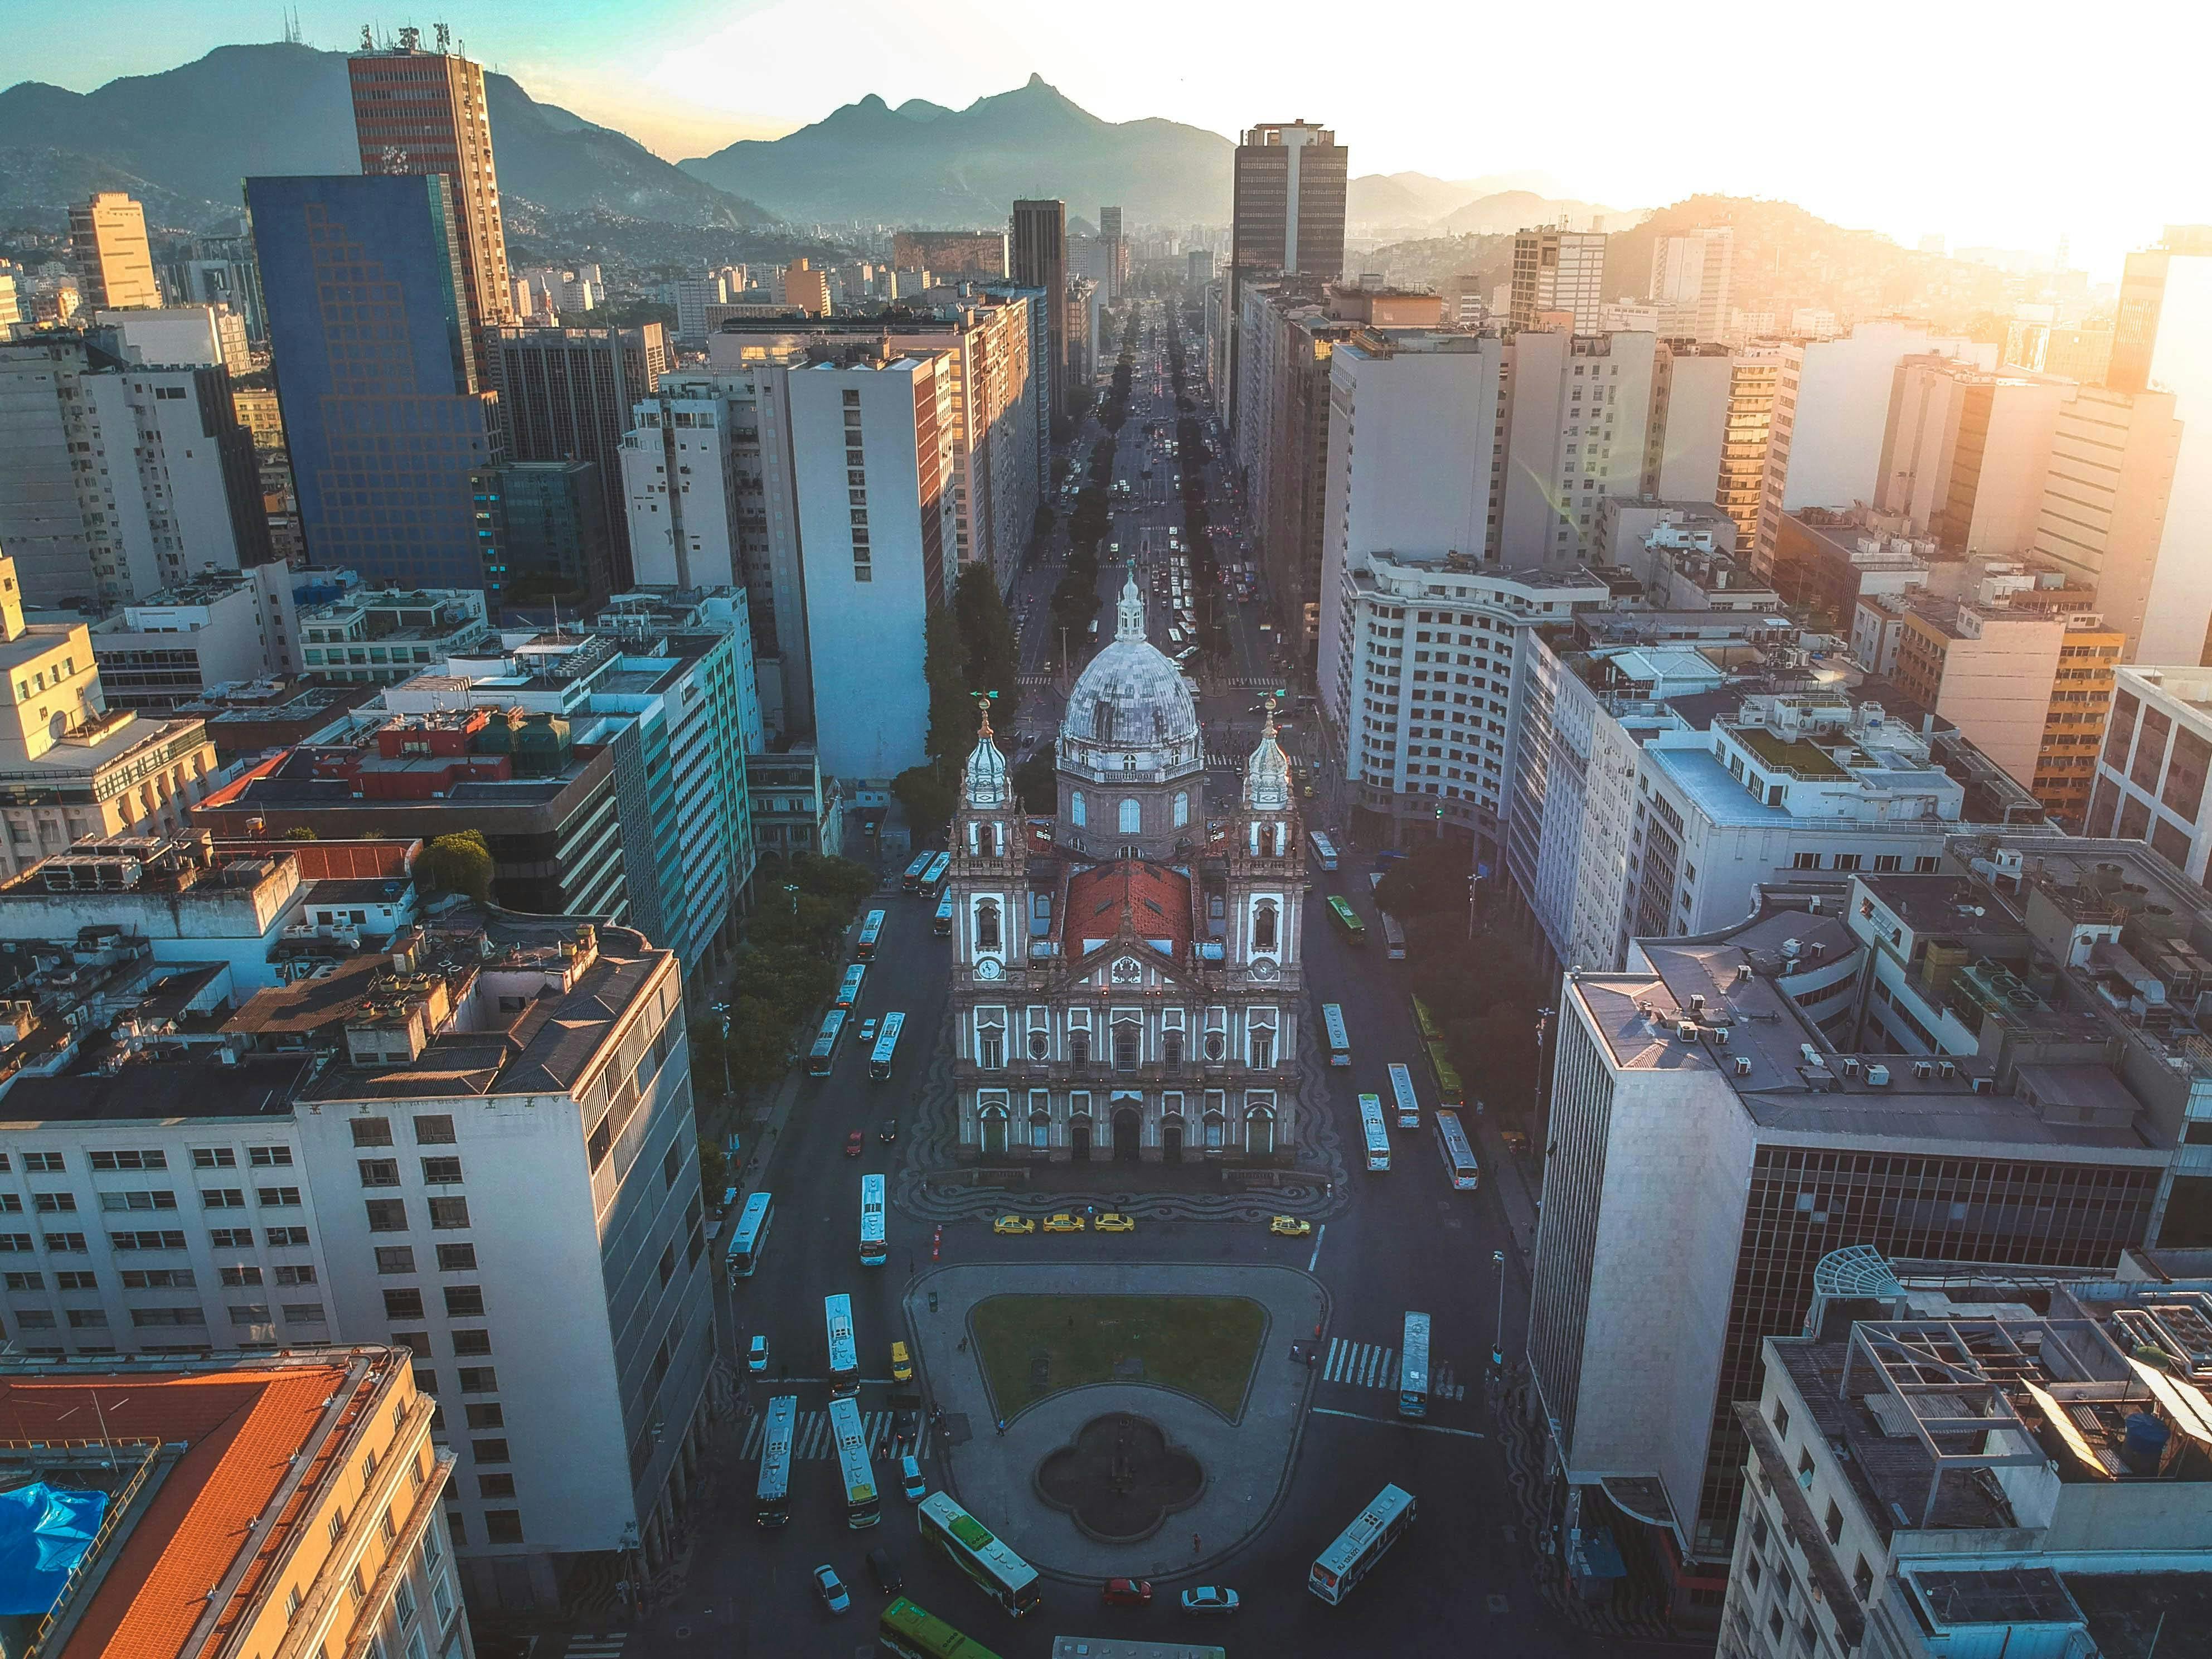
[757, 1356]
[885, 1570]
[1114, 1222]
[1123, 1592]
[1289, 1226]
[1062, 1222]
[910, 1481]
[1210, 1598]
[1013, 1223]
[831, 1588]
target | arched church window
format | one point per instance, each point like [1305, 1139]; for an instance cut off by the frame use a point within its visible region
[1075, 809]
[987, 925]
[1263, 925]
[1181, 808]
[1133, 816]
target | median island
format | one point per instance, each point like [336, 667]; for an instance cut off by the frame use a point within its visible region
[1034, 1346]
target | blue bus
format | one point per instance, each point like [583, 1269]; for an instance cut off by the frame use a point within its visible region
[870, 931]
[825, 1044]
[848, 988]
[751, 1237]
[879, 1062]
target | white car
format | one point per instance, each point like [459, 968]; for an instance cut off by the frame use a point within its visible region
[1210, 1598]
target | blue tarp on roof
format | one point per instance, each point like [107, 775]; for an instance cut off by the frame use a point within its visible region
[43, 1533]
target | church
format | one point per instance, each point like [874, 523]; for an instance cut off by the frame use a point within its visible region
[1127, 980]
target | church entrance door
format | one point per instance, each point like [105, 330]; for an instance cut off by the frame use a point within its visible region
[1079, 1140]
[1171, 1139]
[1127, 1133]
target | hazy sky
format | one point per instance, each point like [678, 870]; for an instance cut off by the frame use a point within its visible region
[1994, 124]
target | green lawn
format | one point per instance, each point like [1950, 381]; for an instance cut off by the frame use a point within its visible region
[1036, 1345]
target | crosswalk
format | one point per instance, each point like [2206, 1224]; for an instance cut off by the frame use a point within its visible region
[1372, 1366]
[812, 1439]
[1221, 760]
[597, 1647]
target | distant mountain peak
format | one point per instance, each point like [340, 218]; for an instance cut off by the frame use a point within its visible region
[1037, 83]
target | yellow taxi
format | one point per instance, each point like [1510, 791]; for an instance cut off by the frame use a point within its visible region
[901, 1367]
[1289, 1226]
[1114, 1222]
[1013, 1223]
[1063, 1223]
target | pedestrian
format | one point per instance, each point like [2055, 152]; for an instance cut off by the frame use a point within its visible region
[1193, 1543]
[1002, 1425]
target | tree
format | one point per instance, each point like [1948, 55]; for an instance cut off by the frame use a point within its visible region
[945, 667]
[1430, 882]
[1036, 781]
[929, 794]
[459, 863]
[986, 637]
[300, 832]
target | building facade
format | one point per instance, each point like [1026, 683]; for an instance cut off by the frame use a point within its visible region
[1036, 258]
[107, 242]
[1561, 271]
[1286, 216]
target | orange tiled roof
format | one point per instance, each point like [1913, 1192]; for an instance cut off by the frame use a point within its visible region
[242, 1428]
[1156, 899]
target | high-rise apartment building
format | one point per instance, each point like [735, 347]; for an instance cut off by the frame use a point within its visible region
[1286, 215]
[2162, 342]
[874, 472]
[219, 271]
[806, 287]
[1558, 271]
[107, 243]
[417, 112]
[1685, 442]
[565, 394]
[1692, 281]
[1754, 370]
[1292, 335]
[2157, 757]
[1965, 453]
[2102, 519]
[1117, 253]
[1036, 258]
[384, 432]
[1577, 429]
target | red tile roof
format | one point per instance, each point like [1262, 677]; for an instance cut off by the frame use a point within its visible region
[243, 1428]
[1158, 901]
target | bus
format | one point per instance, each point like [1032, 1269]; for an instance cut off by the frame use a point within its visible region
[933, 878]
[1378, 1137]
[844, 1353]
[1414, 1367]
[969, 1546]
[941, 924]
[912, 879]
[1092, 1647]
[751, 1238]
[1458, 1156]
[873, 1251]
[1361, 1545]
[1451, 1093]
[848, 988]
[1331, 1025]
[825, 1044]
[1402, 1092]
[912, 1632]
[879, 1061]
[772, 1496]
[1324, 850]
[864, 1506]
[1394, 937]
[1425, 1022]
[870, 931]
[1346, 920]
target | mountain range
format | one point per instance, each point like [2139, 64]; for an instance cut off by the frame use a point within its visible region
[181, 140]
[923, 164]
[1456, 207]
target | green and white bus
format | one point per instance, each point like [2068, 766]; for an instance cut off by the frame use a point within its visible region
[1346, 920]
[1356, 1550]
[971, 1547]
[914, 1633]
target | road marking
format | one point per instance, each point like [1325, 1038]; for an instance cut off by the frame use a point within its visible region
[1320, 1233]
[1397, 1423]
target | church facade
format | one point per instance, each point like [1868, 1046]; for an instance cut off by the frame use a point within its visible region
[1127, 980]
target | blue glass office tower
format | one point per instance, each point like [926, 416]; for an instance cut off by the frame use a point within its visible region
[368, 325]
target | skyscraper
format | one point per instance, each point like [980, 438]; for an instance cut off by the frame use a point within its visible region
[417, 112]
[108, 239]
[384, 431]
[1558, 271]
[1286, 214]
[1036, 247]
[1117, 252]
[1692, 278]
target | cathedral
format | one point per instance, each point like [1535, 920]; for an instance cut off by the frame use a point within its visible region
[1126, 982]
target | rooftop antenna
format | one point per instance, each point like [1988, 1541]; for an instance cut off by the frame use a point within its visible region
[445, 40]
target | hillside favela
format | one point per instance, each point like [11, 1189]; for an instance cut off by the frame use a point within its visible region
[1001, 833]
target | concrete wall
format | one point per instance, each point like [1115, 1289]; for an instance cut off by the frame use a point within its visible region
[1688, 445]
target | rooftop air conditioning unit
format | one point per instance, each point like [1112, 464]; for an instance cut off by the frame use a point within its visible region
[1812, 1055]
[1922, 1069]
[1877, 1077]
[1687, 1030]
[1850, 1067]
[1947, 1068]
[1743, 1065]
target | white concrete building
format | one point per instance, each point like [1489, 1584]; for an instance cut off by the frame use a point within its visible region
[872, 456]
[2151, 772]
[2163, 342]
[1577, 424]
[1558, 271]
[181, 337]
[1692, 281]
[1965, 455]
[182, 642]
[1692, 394]
[1831, 409]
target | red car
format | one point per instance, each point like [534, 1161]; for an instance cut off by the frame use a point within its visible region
[853, 1144]
[1126, 1593]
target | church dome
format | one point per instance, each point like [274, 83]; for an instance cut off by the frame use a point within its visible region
[1267, 772]
[983, 779]
[1131, 695]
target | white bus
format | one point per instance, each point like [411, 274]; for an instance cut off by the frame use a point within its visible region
[1402, 1095]
[1378, 1137]
[941, 923]
[1458, 1156]
[933, 877]
[825, 1051]
[772, 1496]
[879, 1061]
[844, 1353]
[863, 1505]
[1361, 1545]
[1393, 938]
[870, 931]
[1324, 850]
[751, 1237]
[915, 872]
[848, 988]
[1414, 1367]
[873, 1251]
[970, 1545]
[1339, 1040]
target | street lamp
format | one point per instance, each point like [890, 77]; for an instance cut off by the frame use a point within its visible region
[792, 888]
[723, 1009]
[1498, 1342]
